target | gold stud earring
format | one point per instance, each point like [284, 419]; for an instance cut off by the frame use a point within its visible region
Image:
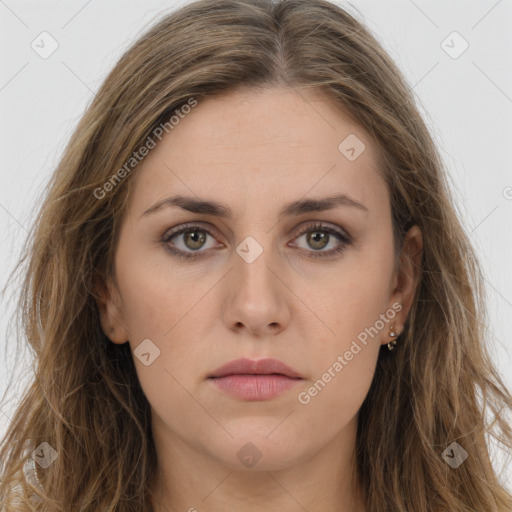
[393, 334]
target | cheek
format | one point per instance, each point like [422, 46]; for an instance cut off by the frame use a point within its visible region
[153, 299]
[344, 362]
[355, 304]
[171, 310]
[357, 312]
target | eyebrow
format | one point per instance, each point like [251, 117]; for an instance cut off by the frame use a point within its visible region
[295, 208]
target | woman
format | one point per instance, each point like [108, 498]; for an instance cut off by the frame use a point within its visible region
[248, 289]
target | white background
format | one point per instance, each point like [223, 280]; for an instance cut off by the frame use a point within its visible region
[467, 103]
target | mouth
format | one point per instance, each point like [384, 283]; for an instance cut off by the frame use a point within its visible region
[251, 380]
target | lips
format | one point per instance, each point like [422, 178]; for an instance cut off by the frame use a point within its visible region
[251, 367]
[248, 380]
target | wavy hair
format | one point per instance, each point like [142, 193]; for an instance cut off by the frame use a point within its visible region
[439, 386]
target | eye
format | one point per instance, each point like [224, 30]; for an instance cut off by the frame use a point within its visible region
[318, 236]
[190, 239]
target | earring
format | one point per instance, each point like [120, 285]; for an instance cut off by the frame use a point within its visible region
[392, 343]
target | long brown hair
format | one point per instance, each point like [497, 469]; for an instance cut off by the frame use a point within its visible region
[438, 386]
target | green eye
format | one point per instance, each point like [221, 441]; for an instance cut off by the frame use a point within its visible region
[193, 238]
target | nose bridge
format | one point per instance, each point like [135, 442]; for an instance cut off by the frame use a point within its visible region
[257, 298]
[254, 258]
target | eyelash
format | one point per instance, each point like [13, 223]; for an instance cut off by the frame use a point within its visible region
[344, 239]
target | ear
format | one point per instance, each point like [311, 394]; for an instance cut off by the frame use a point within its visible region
[111, 320]
[405, 280]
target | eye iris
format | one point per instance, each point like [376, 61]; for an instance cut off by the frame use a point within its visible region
[318, 238]
[198, 238]
[195, 238]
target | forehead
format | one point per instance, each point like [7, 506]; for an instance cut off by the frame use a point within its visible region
[275, 144]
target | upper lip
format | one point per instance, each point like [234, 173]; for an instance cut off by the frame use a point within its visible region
[252, 367]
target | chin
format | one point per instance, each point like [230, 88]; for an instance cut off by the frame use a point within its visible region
[261, 452]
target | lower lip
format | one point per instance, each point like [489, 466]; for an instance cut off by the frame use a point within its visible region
[254, 387]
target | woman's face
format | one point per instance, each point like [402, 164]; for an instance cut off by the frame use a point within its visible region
[284, 274]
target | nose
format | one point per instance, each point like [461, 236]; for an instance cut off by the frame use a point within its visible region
[257, 299]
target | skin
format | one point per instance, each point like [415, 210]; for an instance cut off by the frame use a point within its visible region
[255, 152]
